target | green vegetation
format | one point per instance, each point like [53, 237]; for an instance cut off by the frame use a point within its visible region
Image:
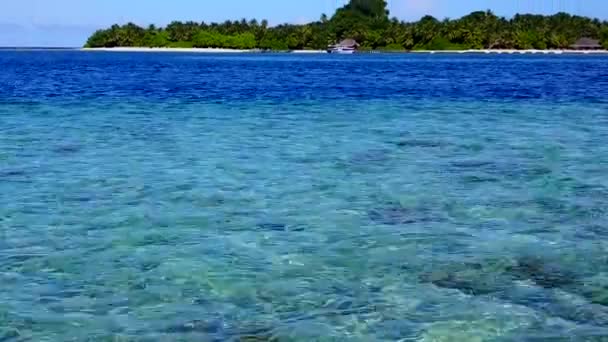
[604, 36]
[368, 22]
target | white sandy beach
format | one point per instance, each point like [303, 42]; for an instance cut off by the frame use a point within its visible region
[219, 50]
[515, 52]
[189, 50]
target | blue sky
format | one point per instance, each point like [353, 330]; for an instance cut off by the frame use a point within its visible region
[69, 22]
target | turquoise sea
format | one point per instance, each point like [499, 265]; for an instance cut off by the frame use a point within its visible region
[179, 197]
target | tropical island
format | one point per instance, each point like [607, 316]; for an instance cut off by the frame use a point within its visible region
[368, 22]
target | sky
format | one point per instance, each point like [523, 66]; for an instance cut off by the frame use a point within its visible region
[69, 22]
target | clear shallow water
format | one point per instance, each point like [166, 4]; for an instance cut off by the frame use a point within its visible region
[297, 198]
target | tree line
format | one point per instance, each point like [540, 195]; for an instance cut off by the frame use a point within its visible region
[368, 22]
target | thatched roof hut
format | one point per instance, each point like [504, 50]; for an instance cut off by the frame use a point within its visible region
[587, 44]
[348, 43]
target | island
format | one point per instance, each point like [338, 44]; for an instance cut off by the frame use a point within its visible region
[368, 23]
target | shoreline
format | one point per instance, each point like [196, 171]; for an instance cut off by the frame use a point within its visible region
[147, 49]
[515, 52]
[471, 51]
[195, 50]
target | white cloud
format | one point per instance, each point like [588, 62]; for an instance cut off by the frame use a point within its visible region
[302, 20]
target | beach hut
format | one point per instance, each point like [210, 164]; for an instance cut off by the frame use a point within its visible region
[349, 43]
[345, 46]
[587, 44]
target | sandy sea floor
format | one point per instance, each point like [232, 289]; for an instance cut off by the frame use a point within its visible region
[279, 197]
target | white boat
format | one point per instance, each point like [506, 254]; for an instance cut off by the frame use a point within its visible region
[342, 50]
[347, 46]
